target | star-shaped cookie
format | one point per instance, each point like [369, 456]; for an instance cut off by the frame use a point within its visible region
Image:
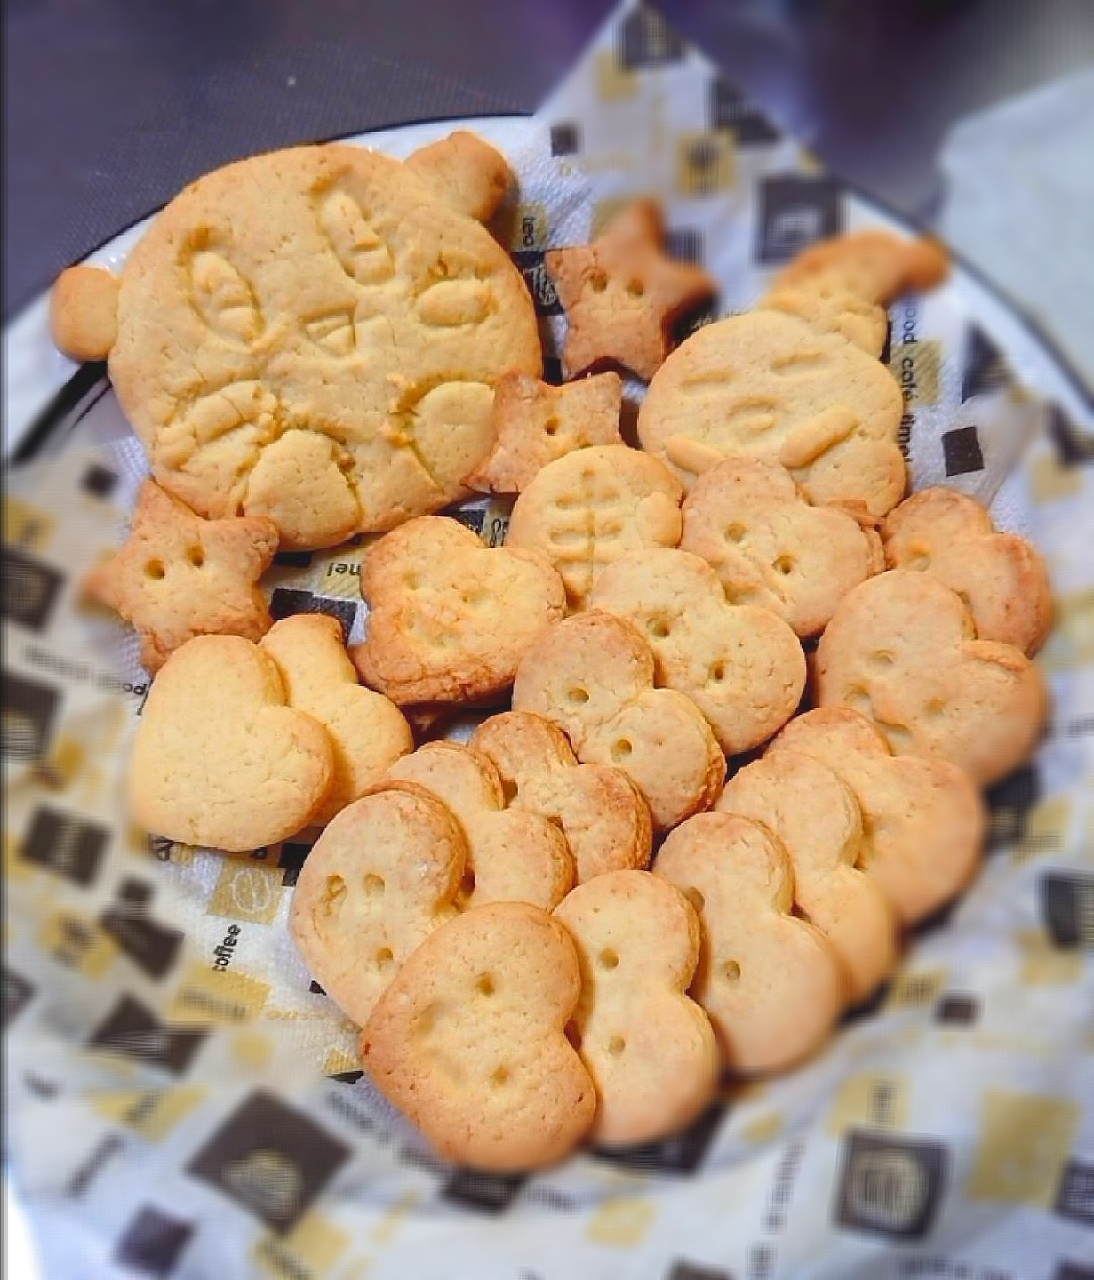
[178, 576]
[621, 294]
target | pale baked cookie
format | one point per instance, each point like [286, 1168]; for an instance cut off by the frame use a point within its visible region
[589, 508]
[536, 423]
[313, 335]
[621, 294]
[220, 760]
[83, 312]
[770, 982]
[902, 649]
[766, 384]
[601, 811]
[816, 816]
[649, 1048]
[876, 265]
[831, 308]
[177, 576]
[368, 733]
[451, 618]
[741, 665]
[593, 676]
[382, 876]
[468, 173]
[513, 855]
[923, 816]
[468, 1040]
[749, 521]
[1001, 577]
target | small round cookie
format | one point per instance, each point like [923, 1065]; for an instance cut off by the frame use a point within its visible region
[748, 520]
[593, 676]
[602, 813]
[901, 649]
[83, 312]
[830, 308]
[874, 264]
[649, 1048]
[770, 982]
[766, 384]
[589, 508]
[816, 816]
[469, 1040]
[1001, 577]
[741, 665]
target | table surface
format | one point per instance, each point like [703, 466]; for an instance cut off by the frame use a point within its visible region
[113, 105]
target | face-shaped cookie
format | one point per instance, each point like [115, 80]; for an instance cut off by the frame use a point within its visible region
[769, 981]
[876, 265]
[513, 855]
[923, 817]
[1001, 578]
[768, 546]
[219, 759]
[450, 618]
[830, 308]
[901, 649]
[765, 384]
[589, 508]
[742, 666]
[468, 1040]
[382, 876]
[602, 813]
[649, 1049]
[816, 816]
[593, 676]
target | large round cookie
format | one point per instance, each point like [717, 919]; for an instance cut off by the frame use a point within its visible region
[313, 335]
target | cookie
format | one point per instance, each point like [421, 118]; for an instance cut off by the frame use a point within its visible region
[513, 855]
[923, 817]
[816, 816]
[451, 618]
[601, 811]
[589, 508]
[901, 649]
[768, 385]
[649, 1048]
[828, 307]
[770, 982]
[313, 335]
[177, 576]
[876, 265]
[749, 521]
[621, 294]
[83, 312]
[469, 174]
[468, 1040]
[220, 760]
[1000, 577]
[593, 676]
[741, 665]
[379, 880]
[367, 732]
[536, 423]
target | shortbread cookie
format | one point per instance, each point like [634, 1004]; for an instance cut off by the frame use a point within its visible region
[621, 294]
[468, 1040]
[589, 508]
[748, 520]
[537, 423]
[901, 649]
[593, 676]
[766, 384]
[923, 817]
[451, 618]
[816, 816]
[741, 665]
[375, 885]
[513, 855]
[178, 576]
[314, 335]
[770, 982]
[831, 308]
[470, 175]
[1001, 577]
[83, 312]
[649, 1048]
[368, 733]
[220, 760]
[601, 811]
[876, 265]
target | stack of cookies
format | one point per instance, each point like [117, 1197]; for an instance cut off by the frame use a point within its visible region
[571, 926]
